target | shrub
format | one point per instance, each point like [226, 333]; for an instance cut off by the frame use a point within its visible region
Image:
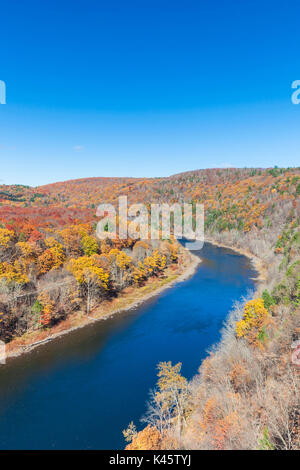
[268, 299]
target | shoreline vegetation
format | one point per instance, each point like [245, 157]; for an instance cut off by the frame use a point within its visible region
[246, 392]
[129, 298]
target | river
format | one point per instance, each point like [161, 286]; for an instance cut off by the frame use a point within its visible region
[81, 390]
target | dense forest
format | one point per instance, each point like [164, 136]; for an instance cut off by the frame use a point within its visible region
[246, 395]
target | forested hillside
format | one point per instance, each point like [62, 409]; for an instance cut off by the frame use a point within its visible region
[246, 394]
[51, 262]
[233, 198]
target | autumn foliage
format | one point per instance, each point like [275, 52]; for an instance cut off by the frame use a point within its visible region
[255, 318]
[48, 247]
[246, 395]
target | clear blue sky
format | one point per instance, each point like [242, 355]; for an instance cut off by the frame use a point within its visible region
[146, 87]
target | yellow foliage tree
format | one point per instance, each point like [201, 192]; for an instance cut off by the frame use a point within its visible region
[88, 273]
[5, 237]
[87, 266]
[254, 319]
[89, 245]
[26, 249]
[52, 258]
[147, 439]
[174, 252]
[72, 237]
[122, 259]
[15, 272]
[171, 396]
[139, 274]
[155, 263]
[29, 253]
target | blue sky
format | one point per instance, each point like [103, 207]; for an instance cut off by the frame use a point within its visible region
[146, 88]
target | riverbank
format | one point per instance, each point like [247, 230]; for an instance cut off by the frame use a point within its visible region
[129, 298]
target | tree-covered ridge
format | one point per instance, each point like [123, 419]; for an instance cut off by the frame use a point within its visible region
[233, 198]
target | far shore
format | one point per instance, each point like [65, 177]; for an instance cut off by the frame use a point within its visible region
[129, 298]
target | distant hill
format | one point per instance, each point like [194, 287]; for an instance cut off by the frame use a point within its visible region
[233, 197]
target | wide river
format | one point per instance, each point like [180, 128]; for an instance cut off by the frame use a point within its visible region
[81, 390]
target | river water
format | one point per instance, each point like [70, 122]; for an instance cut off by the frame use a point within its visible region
[81, 390]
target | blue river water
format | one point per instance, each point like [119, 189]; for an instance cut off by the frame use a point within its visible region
[81, 390]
